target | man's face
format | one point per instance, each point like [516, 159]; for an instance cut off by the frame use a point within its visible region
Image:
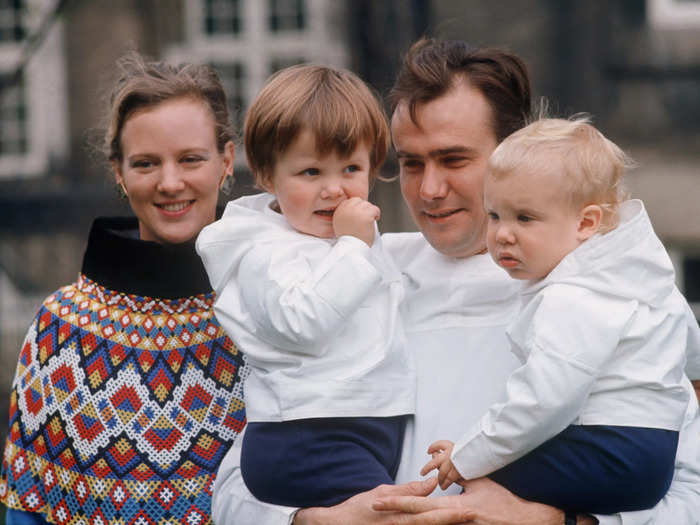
[442, 162]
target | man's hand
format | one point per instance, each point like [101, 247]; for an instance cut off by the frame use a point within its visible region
[447, 473]
[358, 509]
[356, 217]
[490, 503]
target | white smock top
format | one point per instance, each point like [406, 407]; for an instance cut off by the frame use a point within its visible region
[603, 338]
[318, 319]
[456, 313]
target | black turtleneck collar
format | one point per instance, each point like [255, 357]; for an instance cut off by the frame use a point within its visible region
[116, 259]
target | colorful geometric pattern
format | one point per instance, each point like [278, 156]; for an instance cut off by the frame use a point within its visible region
[121, 409]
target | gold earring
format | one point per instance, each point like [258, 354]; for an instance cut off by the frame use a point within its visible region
[223, 180]
[125, 193]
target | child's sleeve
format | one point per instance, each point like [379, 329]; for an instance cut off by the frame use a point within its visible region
[569, 339]
[297, 299]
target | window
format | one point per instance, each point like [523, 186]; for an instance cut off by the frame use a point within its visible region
[286, 15]
[222, 17]
[13, 117]
[33, 109]
[11, 29]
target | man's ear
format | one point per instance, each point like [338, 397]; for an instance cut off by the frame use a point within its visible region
[589, 221]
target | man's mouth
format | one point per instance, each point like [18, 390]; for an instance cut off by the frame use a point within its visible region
[441, 214]
[174, 207]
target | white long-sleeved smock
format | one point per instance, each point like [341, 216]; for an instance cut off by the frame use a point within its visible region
[318, 319]
[455, 313]
[603, 338]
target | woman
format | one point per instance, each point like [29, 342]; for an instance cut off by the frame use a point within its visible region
[127, 392]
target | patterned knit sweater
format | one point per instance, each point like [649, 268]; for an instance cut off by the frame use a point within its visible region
[127, 393]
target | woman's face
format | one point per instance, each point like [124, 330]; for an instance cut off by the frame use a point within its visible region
[171, 169]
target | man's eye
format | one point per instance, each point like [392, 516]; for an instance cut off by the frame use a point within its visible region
[411, 165]
[454, 161]
[191, 159]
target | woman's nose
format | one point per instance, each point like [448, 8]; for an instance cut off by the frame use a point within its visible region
[171, 179]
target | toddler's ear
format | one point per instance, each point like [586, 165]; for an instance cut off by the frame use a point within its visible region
[589, 221]
[267, 185]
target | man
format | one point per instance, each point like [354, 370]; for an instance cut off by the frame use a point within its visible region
[452, 106]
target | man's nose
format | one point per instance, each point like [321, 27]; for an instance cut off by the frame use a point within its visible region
[433, 184]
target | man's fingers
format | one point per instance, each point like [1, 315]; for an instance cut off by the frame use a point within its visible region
[435, 511]
[414, 488]
[435, 517]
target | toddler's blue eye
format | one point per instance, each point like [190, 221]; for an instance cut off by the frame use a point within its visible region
[524, 218]
[310, 171]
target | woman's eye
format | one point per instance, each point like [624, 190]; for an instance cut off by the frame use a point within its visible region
[191, 159]
[142, 164]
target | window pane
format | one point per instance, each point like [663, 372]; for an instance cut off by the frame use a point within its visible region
[11, 29]
[13, 117]
[222, 17]
[286, 15]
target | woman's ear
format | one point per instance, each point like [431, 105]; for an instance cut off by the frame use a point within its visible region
[117, 169]
[589, 221]
[229, 157]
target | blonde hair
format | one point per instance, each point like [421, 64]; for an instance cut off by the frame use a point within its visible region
[590, 166]
[337, 107]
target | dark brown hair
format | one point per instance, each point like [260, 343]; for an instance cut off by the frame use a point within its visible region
[143, 84]
[338, 108]
[432, 67]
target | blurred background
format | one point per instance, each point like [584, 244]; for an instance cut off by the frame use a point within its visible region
[633, 64]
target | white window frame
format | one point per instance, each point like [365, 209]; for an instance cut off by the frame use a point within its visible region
[44, 95]
[672, 14]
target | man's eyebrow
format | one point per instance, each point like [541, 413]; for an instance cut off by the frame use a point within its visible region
[438, 152]
[454, 149]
